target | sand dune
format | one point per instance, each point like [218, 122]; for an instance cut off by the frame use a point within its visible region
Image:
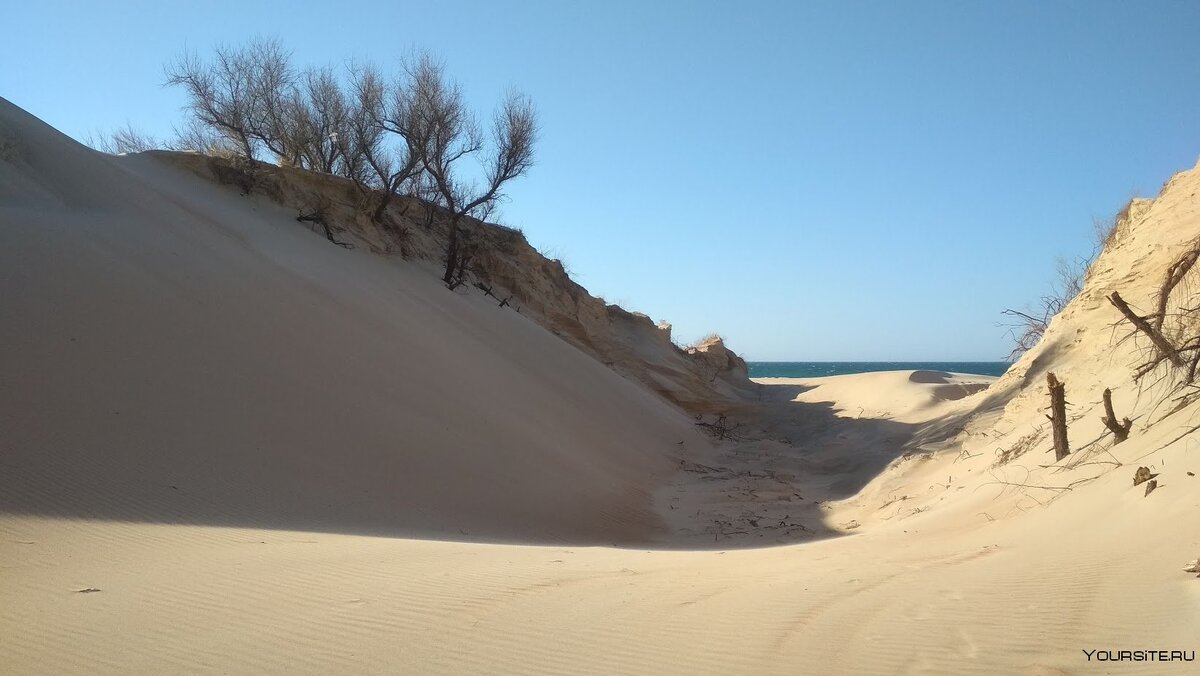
[177, 353]
[906, 396]
[230, 447]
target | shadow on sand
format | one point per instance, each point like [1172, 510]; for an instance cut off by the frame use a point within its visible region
[765, 488]
[768, 486]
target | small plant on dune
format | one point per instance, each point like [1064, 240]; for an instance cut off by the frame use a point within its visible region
[1104, 230]
[1018, 448]
[125, 140]
[695, 345]
[1027, 326]
[238, 171]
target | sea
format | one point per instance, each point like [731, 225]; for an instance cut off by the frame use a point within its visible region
[819, 369]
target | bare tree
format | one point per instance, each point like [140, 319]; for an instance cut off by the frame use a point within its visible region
[277, 104]
[412, 137]
[124, 140]
[378, 144]
[247, 96]
[197, 137]
[446, 134]
[321, 116]
[220, 95]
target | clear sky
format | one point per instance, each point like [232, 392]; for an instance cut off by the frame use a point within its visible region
[813, 180]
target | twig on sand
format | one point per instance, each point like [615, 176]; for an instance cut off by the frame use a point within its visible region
[721, 429]
[1068, 487]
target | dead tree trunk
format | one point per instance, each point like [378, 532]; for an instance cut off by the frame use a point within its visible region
[1120, 430]
[1058, 416]
[1165, 348]
[381, 204]
[452, 260]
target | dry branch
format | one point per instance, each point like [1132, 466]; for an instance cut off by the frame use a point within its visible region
[721, 429]
[317, 215]
[1175, 274]
[1164, 346]
[1120, 430]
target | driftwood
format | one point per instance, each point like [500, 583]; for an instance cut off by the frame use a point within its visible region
[1120, 430]
[1165, 348]
[1058, 416]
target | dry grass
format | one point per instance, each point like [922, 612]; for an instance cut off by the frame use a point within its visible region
[1018, 448]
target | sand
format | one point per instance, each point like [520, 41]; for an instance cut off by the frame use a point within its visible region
[230, 447]
[948, 578]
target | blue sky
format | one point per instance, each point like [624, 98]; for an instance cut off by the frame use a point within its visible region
[815, 181]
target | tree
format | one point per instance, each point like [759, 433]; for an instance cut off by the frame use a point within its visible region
[198, 137]
[221, 95]
[320, 117]
[248, 96]
[377, 144]
[446, 136]
[413, 136]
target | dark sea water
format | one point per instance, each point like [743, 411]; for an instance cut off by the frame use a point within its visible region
[818, 369]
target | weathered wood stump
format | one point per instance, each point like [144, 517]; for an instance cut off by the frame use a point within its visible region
[1058, 416]
[1120, 430]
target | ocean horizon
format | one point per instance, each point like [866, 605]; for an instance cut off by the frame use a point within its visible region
[820, 369]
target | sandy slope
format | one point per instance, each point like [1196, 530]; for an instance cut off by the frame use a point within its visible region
[270, 455]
